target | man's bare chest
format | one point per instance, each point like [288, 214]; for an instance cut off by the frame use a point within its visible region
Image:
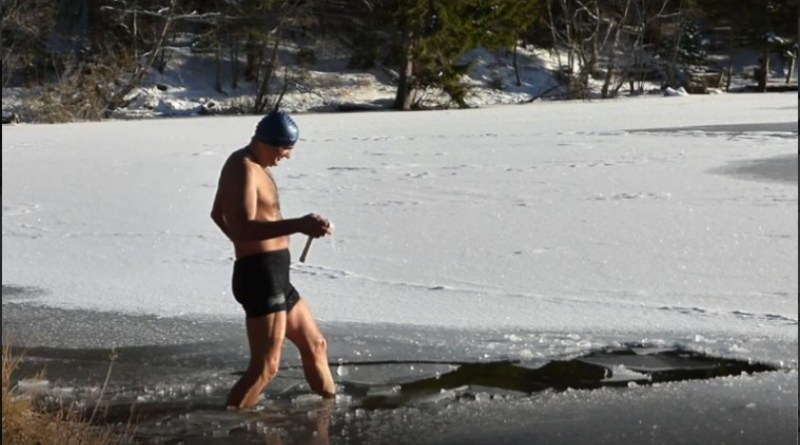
[267, 194]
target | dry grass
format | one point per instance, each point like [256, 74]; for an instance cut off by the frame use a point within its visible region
[83, 90]
[76, 99]
[26, 423]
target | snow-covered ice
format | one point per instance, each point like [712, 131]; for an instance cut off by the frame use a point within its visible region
[547, 217]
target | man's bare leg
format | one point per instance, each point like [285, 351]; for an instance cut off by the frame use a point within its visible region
[323, 426]
[266, 335]
[302, 330]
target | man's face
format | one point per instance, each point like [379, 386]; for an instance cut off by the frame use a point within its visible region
[280, 153]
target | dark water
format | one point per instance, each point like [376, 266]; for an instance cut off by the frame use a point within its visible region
[776, 128]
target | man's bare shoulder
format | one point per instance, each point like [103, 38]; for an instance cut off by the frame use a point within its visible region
[238, 163]
[238, 157]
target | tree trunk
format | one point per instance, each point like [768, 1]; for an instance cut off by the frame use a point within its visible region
[136, 36]
[569, 37]
[516, 63]
[792, 69]
[262, 96]
[612, 62]
[673, 69]
[234, 62]
[763, 74]
[218, 67]
[403, 101]
[731, 55]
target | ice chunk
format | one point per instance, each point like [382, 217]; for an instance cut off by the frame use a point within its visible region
[622, 374]
[306, 398]
[33, 385]
[383, 391]
[513, 338]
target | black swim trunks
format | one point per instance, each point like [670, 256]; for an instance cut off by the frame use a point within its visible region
[261, 284]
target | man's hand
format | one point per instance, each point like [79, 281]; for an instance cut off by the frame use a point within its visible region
[315, 226]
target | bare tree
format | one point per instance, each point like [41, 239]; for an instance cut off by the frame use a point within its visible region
[217, 24]
[616, 26]
[595, 33]
[120, 97]
[286, 19]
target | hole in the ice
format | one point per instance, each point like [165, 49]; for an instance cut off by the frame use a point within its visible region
[608, 368]
[396, 383]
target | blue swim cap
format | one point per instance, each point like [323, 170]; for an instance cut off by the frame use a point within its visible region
[278, 130]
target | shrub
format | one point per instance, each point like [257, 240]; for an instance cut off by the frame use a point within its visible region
[25, 422]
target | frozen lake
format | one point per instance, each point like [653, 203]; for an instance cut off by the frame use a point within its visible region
[528, 234]
[178, 383]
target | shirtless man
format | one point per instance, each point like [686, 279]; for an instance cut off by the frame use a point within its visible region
[247, 210]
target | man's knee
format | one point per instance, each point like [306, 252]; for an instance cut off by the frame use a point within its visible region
[319, 347]
[269, 369]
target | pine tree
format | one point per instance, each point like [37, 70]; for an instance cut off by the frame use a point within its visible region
[424, 39]
[690, 51]
[464, 25]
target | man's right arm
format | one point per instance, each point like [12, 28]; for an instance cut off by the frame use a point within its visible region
[218, 215]
[240, 197]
